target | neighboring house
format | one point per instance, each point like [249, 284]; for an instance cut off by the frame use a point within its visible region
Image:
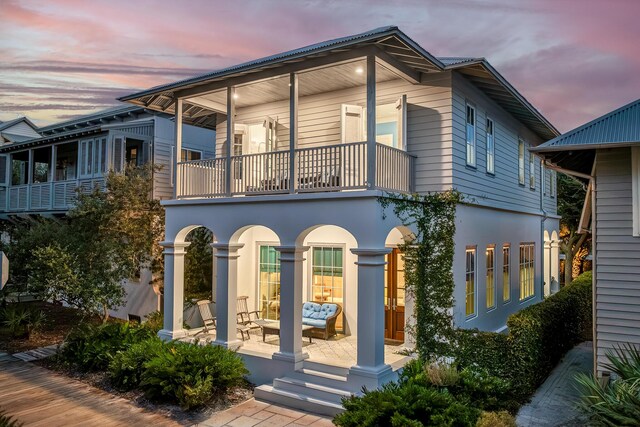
[39, 175]
[605, 153]
[306, 143]
[17, 130]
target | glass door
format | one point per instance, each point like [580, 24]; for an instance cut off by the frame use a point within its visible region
[394, 296]
[269, 282]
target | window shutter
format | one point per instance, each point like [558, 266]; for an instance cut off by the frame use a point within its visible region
[3, 169]
[352, 123]
[118, 153]
[401, 105]
[635, 188]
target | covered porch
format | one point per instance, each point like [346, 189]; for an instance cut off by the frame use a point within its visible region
[296, 250]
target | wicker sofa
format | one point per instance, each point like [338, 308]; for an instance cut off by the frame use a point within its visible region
[322, 317]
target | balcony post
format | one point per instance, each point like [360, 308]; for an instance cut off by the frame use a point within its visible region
[293, 134]
[231, 112]
[29, 178]
[178, 156]
[371, 121]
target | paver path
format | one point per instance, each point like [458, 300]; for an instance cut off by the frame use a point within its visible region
[553, 405]
[39, 397]
[259, 414]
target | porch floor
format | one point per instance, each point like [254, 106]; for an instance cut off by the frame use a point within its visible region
[339, 350]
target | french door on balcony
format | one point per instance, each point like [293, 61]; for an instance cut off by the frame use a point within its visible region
[394, 292]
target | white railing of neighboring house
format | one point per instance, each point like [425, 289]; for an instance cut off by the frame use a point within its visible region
[46, 196]
[317, 169]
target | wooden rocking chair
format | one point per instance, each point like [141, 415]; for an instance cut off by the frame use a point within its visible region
[245, 317]
[209, 322]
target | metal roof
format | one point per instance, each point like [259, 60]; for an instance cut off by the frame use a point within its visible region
[5, 125]
[617, 128]
[392, 41]
[94, 117]
[575, 150]
[15, 137]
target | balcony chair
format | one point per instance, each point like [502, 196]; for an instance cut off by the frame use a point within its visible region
[209, 321]
[330, 177]
[322, 317]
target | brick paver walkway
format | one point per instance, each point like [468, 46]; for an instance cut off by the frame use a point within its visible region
[38, 397]
[553, 405]
[253, 413]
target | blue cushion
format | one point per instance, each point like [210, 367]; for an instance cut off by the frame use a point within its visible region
[318, 323]
[310, 310]
[328, 310]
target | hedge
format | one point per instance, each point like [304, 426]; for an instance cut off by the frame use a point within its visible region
[538, 338]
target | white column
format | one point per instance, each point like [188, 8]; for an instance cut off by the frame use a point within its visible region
[293, 130]
[371, 121]
[177, 188]
[370, 362]
[555, 266]
[173, 290]
[227, 294]
[291, 258]
[231, 112]
[547, 268]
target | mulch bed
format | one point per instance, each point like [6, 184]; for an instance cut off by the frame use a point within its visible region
[100, 380]
[59, 321]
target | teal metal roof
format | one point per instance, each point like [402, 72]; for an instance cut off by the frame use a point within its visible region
[617, 128]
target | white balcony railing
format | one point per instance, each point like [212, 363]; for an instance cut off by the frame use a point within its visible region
[46, 196]
[327, 168]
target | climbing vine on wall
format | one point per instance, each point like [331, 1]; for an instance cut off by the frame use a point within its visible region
[428, 265]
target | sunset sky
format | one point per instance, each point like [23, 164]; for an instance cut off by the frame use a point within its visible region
[573, 59]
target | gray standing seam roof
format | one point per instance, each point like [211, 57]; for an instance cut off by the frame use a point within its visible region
[621, 126]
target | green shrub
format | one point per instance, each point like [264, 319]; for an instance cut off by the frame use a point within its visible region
[191, 374]
[496, 419]
[406, 404]
[8, 421]
[538, 337]
[616, 403]
[125, 369]
[91, 348]
[154, 321]
[22, 320]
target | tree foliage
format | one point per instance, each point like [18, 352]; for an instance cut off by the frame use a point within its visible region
[428, 265]
[198, 264]
[571, 195]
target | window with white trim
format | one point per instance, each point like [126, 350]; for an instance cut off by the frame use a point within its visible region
[471, 135]
[532, 171]
[470, 282]
[491, 276]
[506, 273]
[635, 188]
[187, 155]
[93, 157]
[520, 161]
[527, 270]
[553, 182]
[491, 147]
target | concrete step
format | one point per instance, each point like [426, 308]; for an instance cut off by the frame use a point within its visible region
[320, 378]
[323, 367]
[270, 394]
[317, 391]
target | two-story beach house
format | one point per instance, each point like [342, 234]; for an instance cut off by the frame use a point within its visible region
[306, 143]
[41, 169]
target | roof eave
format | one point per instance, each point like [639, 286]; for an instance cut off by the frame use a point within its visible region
[578, 147]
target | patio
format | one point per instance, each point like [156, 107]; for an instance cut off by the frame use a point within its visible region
[340, 350]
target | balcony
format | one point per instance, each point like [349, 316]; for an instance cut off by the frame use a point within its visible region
[341, 167]
[47, 196]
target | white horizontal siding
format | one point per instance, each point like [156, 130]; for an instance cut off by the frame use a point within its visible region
[617, 299]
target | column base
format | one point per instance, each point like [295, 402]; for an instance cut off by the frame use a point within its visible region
[295, 358]
[231, 345]
[371, 377]
[167, 335]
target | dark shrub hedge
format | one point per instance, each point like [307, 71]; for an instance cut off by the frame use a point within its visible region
[126, 366]
[538, 337]
[91, 348]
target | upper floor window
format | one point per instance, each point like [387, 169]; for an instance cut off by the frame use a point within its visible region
[532, 171]
[471, 135]
[552, 183]
[93, 157]
[491, 147]
[527, 270]
[391, 123]
[188, 154]
[470, 282]
[520, 161]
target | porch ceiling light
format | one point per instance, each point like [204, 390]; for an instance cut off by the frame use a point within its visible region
[235, 96]
[359, 70]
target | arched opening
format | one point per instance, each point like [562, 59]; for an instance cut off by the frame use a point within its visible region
[199, 274]
[555, 262]
[547, 263]
[331, 273]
